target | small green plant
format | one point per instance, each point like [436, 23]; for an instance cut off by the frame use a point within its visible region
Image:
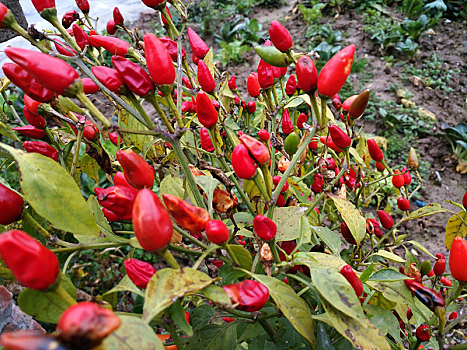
[232, 52]
[457, 138]
[313, 14]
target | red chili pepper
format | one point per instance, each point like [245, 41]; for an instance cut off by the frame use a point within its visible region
[429, 297]
[186, 81]
[291, 85]
[280, 36]
[117, 199]
[372, 227]
[22, 79]
[110, 27]
[339, 137]
[188, 216]
[252, 85]
[257, 149]
[217, 232]
[307, 75]
[31, 104]
[328, 163]
[302, 118]
[139, 272]
[453, 315]
[32, 264]
[206, 142]
[287, 125]
[251, 107]
[333, 75]
[263, 135]
[120, 180]
[386, 220]
[159, 62]
[423, 333]
[280, 201]
[68, 18]
[446, 281]
[242, 163]
[109, 77]
[89, 86]
[90, 131]
[41, 5]
[115, 139]
[30, 131]
[440, 265]
[138, 173]
[39, 66]
[348, 102]
[172, 49]
[118, 18]
[397, 180]
[329, 143]
[380, 166]
[151, 221]
[336, 102]
[217, 263]
[347, 234]
[248, 295]
[233, 83]
[407, 177]
[358, 105]
[264, 227]
[83, 5]
[464, 200]
[457, 259]
[318, 184]
[265, 75]
[135, 77]
[188, 107]
[11, 204]
[205, 79]
[403, 204]
[198, 46]
[313, 145]
[353, 279]
[205, 111]
[276, 180]
[64, 49]
[41, 148]
[155, 4]
[350, 178]
[375, 152]
[86, 325]
[113, 45]
[5, 16]
[34, 119]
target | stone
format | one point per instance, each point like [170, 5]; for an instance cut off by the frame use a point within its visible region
[15, 7]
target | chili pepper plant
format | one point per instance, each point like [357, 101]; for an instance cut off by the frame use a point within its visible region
[252, 196]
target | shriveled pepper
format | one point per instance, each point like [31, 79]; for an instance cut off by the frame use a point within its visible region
[222, 201]
[25, 81]
[32, 264]
[429, 297]
[353, 279]
[42, 148]
[30, 131]
[248, 295]
[347, 234]
[280, 36]
[413, 159]
[257, 149]
[59, 79]
[11, 204]
[159, 62]
[139, 272]
[423, 333]
[252, 85]
[206, 142]
[188, 216]
[333, 75]
[135, 77]
[138, 172]
[242, 163]
[458, 258]
[265, 75]
[217, 232]
[318, 183]
[117, 199]
[205, 79]
[111, 44]
[264, 227]
[205, 111]
[85, 325]
[198, 46]
[307, 75]
[109, 77]
[339, 137]
[151, 221]
[68, 18]
[287, 125]
[291, 85]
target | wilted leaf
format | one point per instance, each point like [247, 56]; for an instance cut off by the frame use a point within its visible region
[288, 222]
[352, 217]
[455, 227]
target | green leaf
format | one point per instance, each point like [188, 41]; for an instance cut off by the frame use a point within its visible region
[390, 256]
[6, 131]
[243, 256]
[167, 285]
[352, 217]
[46, 306]
[5, 273]
[177, 314]
[291, 305]
[427, 210]
[208, 184]
[89, 166]
[125, 285]
[216, 294]
[318, 260]
[330, 238]
[53, 193]
[214, 337]
[172, 185]
[133, 334]
[288, 222]
[387, 275]
[230, 275]
[201, 316]
[294, 102]
[304, 232]
[243, 217]
[385, 321]
[455, 226]
[367, 273]
[421, 247]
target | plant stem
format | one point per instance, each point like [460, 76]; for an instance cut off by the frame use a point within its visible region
[18, 29]
[190, 237]
[77, 149]
[134, 101]
[56, 23]
[63, 294]
[167, 255]
[153, 100]
[86, 247]
[94, 111]
[231, 253]
[174, 110]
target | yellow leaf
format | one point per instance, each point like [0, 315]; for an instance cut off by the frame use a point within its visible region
[456, 227]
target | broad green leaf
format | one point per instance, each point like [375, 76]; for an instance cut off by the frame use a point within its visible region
[333, 287]
[455, 227]
[352, 217]
[356, 156]
[421, 247]
[362, 336]
[133, 334]
[6, 131]
[172, 185]
[125, 285]
[89, 166]
[387, 275]
[216, 294]
[291, 305]
[167, 285]
[319, 260]
[330, 238]
[288, 222]
[427, 210]
[385, 321]
[208, 184]
[390, 256]
[243, 217]
[53, 193]
[102, 223]
[46, 306]
[243, 256]
[367, 273]
[294, 102]
[229, 275]
[214, 337]
[226, 95]
[304, 232]
[177, 314]
[201, 316]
